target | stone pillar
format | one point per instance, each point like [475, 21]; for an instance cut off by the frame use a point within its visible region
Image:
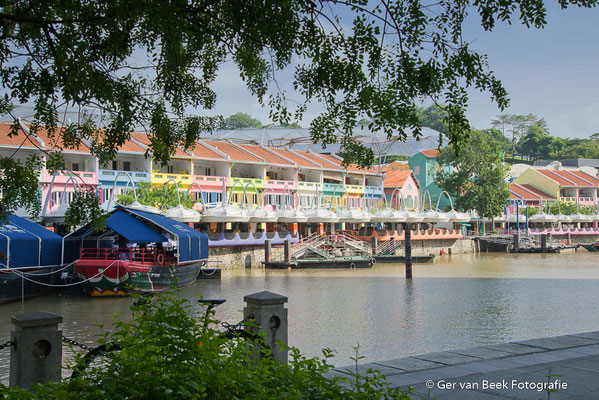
[267, 251]
[270, 315]
[36, 356]
[287, 251]
[408, 238]
[544, 242]
[374, 245]
[516, 241]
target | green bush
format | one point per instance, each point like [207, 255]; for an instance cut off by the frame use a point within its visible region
[168, 355]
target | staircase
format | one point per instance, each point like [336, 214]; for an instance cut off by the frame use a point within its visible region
[389, 247]
[330, 246]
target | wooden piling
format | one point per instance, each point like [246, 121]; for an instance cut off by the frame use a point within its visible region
[408, 251]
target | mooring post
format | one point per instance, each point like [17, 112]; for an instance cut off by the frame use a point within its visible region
[544, 242]
[267, 251]
[36, 356]
[374, 245]
[569, 238]
[517, 241]
[408, 239]
[270, 315]
[287, 251]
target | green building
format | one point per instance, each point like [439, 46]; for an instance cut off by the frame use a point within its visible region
[425, 167]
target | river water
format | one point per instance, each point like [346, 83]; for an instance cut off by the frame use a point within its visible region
[456, 302]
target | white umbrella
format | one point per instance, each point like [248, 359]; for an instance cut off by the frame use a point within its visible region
[223, 212]
[322, 215]
[183, 214]
[354, 216]
[261, 214]
[180, 213]
[389, 215]
[56, 216]
[290, 215]
[456, 216]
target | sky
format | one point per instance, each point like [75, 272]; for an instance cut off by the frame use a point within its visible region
[551, 73]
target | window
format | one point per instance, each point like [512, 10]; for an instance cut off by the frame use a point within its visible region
[115, 165]
[75, 167]
[169, 169]
[409, 186]
[126, 166]
[208, 171]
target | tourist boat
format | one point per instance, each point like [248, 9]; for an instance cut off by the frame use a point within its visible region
[592, 247]
[30, 256]
[138, 252]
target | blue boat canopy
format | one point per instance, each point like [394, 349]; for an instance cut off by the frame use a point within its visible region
[26, 244]
[139, 227]
[192, 245]
[132, 229]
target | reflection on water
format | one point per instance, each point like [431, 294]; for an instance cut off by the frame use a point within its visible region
[456, 302]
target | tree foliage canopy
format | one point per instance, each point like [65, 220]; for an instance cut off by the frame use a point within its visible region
[239, 121]
[156, 196]
[148, 63]
[478, 176]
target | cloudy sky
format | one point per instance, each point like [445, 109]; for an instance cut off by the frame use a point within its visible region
[552, 73]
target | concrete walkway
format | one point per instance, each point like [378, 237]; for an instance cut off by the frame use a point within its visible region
[515, 370]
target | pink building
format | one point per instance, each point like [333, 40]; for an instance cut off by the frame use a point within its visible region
[408, 186]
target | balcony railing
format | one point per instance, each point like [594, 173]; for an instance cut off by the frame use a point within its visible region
[374, 190]
[109, 175]
[259, 183]
[208, 181]
[355, 189]
[308, 186]
[568, 199]
[336, 188]
[587, 201]
[81, 177]
[161, 178]
[275, 184]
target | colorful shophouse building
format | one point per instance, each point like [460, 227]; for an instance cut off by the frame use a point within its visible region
[210, 167]
[425, 167]
[563, 185]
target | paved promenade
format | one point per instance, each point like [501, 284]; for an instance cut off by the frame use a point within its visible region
[515, 370]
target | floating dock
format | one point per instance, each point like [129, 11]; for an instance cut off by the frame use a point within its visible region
[402, 259]
[339, 262]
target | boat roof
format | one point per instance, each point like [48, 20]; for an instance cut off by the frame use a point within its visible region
[26, 244]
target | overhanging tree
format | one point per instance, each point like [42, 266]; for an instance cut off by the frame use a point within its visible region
[478, 176]
[141, 63]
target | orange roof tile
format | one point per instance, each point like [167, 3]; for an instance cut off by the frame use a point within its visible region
[570, 178]
[143, 138]
[584, 178]
[527, 192]
[233, 151]
[397, 178]
[203, 151]
[430, 153]
[295, 158]
[350, 167]
[50, 142]
[322, 163]
[266, 155]
[556, 177]
[21, 138]
[129, 145]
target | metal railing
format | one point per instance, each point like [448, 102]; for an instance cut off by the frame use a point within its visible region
[141, 256]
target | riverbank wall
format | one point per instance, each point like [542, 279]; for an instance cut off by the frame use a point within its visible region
[239, 257]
